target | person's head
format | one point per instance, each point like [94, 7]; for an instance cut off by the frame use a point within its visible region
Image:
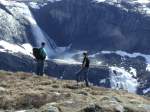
[43, 44]
[85, 54]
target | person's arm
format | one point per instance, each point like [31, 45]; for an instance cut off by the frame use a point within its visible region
[45, 53]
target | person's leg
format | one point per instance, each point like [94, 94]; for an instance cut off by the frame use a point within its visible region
[86, 76]
[38, 68]
[41, 68]
[78, 75]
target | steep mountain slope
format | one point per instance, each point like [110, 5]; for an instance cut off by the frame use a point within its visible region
[83, 25]
[42, 94]
[18, 26]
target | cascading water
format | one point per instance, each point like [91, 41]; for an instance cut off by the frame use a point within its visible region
[121, 79]
[51, 48]
[39, 35]
[20, 10]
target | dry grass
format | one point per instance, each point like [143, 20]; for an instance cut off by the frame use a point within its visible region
[25, 91]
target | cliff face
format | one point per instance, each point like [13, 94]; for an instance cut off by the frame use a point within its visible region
[14, 27]
[84, 23]
[22, 91]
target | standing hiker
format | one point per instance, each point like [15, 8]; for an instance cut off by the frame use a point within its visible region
[40, 55]
[84, 69]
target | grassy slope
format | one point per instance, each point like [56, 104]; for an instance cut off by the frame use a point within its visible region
[24, 91]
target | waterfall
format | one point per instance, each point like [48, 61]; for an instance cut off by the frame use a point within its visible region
[122, 79]
[39, 35]
[51, 48]
[19, 11]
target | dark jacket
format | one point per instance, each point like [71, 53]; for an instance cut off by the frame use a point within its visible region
[86, 62]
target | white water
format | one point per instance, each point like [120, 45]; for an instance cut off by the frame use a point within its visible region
[51, 48]
[39, 35]
[122, 79]
[68, 58]
[21, 11]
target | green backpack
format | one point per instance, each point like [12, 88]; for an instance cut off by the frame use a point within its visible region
[42, 54]
[39, 53]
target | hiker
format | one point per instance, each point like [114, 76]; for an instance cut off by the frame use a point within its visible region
[84, 69]
[40, 55]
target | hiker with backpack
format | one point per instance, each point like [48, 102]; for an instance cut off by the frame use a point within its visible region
[84, 69]
[40, 55]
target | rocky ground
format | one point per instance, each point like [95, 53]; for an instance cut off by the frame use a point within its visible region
[23, 91]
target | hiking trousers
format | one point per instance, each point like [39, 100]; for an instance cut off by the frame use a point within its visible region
[83, 72]
[40, 67]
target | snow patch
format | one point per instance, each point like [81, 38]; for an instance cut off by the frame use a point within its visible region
[133, 71]
[34, 5]
[148, 68]
[133, 55]
[25, 49]
[143, 5]
[141, 1]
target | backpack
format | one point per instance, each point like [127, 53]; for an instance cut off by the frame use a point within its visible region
[87, 62]
[39, 53]
[42, 54]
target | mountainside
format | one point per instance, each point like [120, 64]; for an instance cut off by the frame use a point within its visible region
[29, 93]
[105, 26]
[70, 27]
